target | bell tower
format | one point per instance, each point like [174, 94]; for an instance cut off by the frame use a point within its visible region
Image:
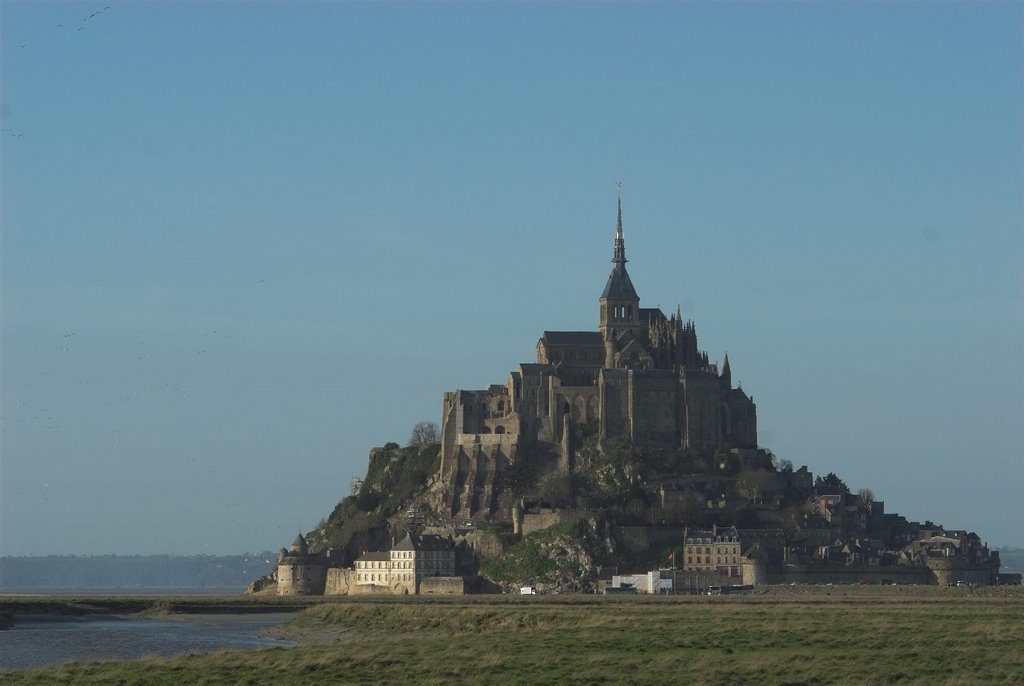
[619, 303]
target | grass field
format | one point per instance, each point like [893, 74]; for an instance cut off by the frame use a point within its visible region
[802, 635]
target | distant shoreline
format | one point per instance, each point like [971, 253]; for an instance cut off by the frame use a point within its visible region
[15, 609]
[87, 591]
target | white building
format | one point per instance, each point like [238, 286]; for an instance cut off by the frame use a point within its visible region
[409, 561]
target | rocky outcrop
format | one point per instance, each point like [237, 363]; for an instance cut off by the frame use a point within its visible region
[559, 559]
[265, 585]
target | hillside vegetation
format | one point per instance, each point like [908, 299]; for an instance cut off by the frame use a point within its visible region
[395, 476]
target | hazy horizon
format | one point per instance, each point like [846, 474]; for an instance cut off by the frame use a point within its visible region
[242, 244]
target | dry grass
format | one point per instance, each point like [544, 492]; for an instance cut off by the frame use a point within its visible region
[819, 636]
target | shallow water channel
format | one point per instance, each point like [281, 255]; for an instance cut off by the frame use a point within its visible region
[44, 641]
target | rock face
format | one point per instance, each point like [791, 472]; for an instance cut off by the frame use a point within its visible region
[265, 585]
[558, 560]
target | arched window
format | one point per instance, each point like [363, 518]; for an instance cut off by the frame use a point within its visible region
[499, 429]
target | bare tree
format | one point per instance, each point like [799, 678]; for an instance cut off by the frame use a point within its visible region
[865, 498]
[751, 483]
[425, 433]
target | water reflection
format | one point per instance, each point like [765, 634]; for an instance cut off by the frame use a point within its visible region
[42, 642]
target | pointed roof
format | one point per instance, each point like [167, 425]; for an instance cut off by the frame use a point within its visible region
[299, 545]
[619, 286]
[423, 542]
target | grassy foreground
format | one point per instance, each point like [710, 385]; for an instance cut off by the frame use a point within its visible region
[822, 635]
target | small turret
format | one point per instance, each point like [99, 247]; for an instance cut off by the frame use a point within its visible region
[299, 545]
[726, 373]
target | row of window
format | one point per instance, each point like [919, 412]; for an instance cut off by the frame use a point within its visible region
[371, 577]
[691, 560]
[622, 312]
[405, 564]
[720, 550]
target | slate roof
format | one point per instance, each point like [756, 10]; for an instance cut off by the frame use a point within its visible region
[374, 557]
[589, 338]
[534, 368]
[423, 542]
[299, 545]
[619, 286]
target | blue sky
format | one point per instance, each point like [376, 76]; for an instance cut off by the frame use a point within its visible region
[244, 243]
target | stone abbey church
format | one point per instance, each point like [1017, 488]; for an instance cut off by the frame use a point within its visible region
[638, 380]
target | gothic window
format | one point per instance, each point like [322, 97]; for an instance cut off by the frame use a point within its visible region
[629, 311]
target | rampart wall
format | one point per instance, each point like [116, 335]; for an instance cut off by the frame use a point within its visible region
[443, 585]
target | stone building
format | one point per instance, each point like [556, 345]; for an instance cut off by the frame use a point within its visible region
[639, 379]
[373, 569]
[300, 572]
[409, 563]
[714, 550]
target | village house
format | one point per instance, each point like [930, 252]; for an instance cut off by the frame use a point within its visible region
[403, 569]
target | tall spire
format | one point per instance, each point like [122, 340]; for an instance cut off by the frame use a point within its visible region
[620, 243]
[619, 286]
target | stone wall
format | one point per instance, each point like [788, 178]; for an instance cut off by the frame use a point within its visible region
[475, 482]
[368, 589]
[701, 394]
[302, 577]
[484, 544]
[339, 581]
[443, 585]
[655, 412]
[543, 520]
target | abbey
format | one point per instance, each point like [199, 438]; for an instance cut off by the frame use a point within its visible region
[639, 380]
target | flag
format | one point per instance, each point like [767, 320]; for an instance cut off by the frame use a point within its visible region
[672, 556]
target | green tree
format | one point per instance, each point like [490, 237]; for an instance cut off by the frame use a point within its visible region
[830, 485]
[518, 477]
